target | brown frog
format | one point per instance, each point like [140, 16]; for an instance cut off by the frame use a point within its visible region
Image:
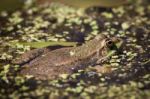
[45, 64]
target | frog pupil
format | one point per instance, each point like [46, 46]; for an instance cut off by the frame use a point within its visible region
[109, 43]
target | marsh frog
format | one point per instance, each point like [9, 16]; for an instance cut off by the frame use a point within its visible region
[45, 64]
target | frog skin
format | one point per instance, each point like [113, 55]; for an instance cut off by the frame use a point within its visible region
[45, 64]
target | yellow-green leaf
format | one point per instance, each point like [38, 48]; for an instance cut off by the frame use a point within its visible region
[10, 5]
[44, 44]
[89, 3]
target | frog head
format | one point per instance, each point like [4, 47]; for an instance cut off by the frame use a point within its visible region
[107, 46]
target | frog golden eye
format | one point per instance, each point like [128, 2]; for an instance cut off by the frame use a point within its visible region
[109, 43]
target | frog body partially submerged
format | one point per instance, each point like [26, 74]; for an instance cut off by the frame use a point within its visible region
[45, 64]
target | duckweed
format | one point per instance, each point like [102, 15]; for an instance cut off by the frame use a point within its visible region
[129, 78]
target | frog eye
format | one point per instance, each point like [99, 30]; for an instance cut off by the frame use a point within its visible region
[109, 43]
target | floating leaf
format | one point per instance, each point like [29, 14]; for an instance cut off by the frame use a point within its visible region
[89, 3]
[45, 44]
[10, 5]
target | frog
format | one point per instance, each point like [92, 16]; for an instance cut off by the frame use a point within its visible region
[44, 64]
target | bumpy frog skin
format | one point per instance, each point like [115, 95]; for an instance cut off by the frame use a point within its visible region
[44, 64]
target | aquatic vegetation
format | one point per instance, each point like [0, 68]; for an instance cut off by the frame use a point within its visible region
[49, 23]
